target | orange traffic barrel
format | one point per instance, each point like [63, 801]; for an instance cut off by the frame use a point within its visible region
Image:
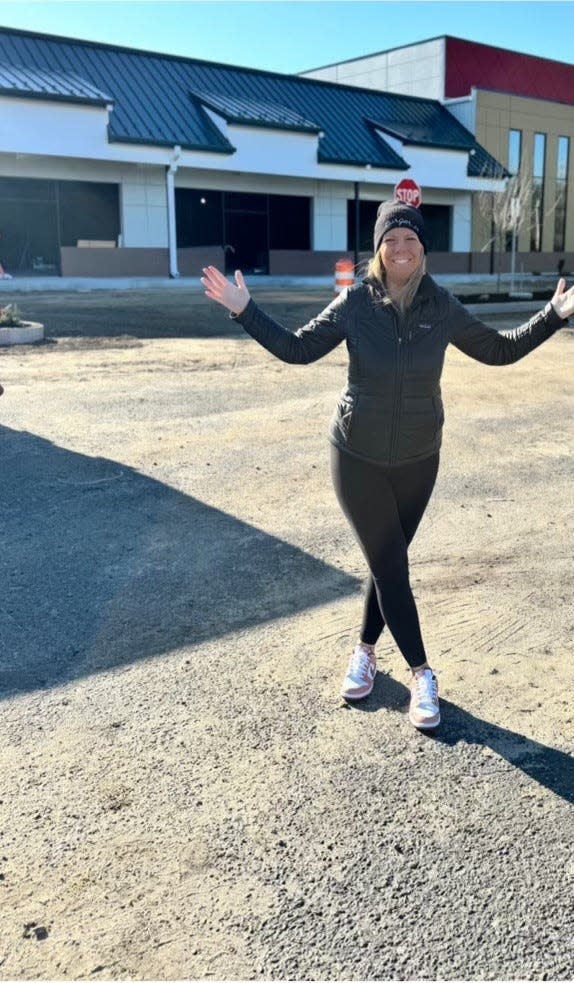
[344, 274]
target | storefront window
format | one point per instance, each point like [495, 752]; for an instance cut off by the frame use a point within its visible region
[437, 219]
[244, 224]
[88, 211]
[28, 226]
[367, 218]
[289, 222]
[37, 217]
[514, 150]
[199, 217]
[561, 193]
[537, 208]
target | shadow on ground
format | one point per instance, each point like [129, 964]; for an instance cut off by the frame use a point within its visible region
[548, 766]
[103, 566]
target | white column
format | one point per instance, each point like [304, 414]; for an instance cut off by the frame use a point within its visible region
[462, 224]
[144, 208]
[170, 172]
[330, 219]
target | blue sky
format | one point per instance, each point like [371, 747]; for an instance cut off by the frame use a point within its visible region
[290, 37]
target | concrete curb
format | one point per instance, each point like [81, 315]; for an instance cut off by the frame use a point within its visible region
[508, 307]
[479, 283]
[265, 283]
[27, 333]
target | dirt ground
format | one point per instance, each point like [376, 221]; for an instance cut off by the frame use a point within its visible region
[184, 795]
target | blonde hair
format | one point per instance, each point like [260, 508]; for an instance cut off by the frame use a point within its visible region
[376, 270]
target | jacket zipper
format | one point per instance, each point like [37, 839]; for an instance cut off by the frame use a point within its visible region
[398, 392]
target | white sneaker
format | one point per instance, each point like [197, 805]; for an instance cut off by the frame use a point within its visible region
[424, 710]
[361, 673]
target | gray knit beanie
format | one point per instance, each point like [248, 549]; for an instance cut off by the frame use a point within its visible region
[395, 215]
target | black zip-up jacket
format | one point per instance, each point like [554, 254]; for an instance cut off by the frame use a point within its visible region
[391, 410]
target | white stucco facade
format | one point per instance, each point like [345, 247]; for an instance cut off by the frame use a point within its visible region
[330, 218]
[49, 128]
[45, 139]
[49, 138]
[143, 202]
[412, 70]
[464, 110]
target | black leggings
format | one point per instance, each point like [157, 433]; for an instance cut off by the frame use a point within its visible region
[384, 507]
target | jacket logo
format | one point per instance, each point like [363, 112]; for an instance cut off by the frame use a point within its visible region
[426, 327]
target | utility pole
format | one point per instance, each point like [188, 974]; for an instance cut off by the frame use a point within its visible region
[357, 226]
[514, 219]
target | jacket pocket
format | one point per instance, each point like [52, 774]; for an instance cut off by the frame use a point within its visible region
[342, 422]
[370, 427]
[347, 407]
[419, 427]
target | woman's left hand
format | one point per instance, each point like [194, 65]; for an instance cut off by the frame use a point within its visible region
[563, 300]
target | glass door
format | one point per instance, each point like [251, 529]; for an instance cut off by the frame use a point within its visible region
[246, 233]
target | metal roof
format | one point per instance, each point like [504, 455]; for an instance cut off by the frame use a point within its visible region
[22, 80]
[156, 103]
[481, 164]
[418, 133]
[253, 112]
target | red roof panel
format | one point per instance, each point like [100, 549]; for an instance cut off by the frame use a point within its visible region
[470, 64]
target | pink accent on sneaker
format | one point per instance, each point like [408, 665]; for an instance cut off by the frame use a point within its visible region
[424, 710]
[361, 673]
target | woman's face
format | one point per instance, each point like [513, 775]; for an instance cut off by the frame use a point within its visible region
[401, 252]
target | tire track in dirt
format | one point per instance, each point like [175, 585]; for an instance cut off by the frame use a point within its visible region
[483, 632]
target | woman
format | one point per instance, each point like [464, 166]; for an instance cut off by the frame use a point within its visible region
[387, 428]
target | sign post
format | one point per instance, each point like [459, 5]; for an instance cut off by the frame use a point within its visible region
[515, 220]
[409, 192]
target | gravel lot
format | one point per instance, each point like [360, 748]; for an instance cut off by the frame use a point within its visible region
[184, 794]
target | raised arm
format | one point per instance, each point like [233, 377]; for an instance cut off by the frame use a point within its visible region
[307, 344]
[486, 344]
[233, 296]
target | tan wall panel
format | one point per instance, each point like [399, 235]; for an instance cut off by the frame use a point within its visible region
[86, 262]
[496, 113]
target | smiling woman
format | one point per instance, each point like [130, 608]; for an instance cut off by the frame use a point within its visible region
[386, 432]
[401, 254]
[400, 249]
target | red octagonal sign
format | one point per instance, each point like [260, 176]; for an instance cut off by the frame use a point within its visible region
[409, 192]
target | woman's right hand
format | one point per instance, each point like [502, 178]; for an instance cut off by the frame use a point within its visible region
[219, 288]
[563, 300]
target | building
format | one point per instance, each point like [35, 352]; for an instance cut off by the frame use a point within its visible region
[120, 162]
[520, 108]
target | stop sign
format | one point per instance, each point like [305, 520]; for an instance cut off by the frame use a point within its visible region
[409, 192]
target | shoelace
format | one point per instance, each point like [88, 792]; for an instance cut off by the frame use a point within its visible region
[360, 662]
[426, 687]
